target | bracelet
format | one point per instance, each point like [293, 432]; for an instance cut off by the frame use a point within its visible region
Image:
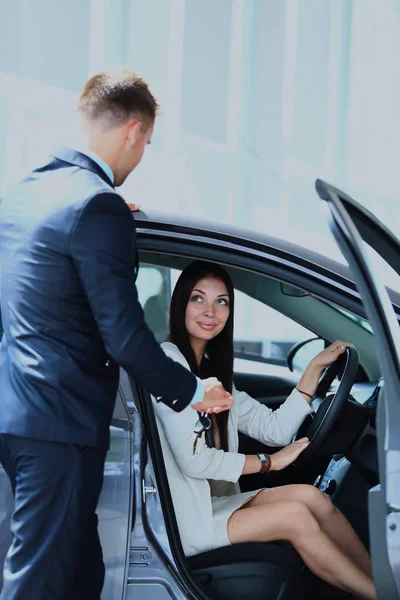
[305, 393]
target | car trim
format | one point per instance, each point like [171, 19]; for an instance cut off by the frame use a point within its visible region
[258, 262]
[178, 566]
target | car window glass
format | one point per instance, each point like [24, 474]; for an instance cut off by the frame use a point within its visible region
[149, 283]
[262, 333]
[305, 354]
[154, 290]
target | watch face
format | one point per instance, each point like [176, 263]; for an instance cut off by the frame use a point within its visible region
[262, 457]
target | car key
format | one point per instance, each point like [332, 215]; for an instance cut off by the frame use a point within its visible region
[202, 425]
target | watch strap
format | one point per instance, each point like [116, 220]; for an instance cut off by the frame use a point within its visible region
[265, 461]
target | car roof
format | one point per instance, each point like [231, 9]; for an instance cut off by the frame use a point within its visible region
[144, 219]
[153, 219]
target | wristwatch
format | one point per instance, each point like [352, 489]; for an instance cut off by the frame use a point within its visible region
[265, 461]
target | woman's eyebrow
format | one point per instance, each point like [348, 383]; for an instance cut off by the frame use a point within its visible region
[200, 292]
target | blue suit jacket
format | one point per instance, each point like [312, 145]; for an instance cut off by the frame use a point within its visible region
[70, 308]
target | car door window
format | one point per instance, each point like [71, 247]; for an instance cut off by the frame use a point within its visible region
[154, 290]
[263, 336]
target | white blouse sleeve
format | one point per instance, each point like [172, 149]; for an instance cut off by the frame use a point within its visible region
[271, 427]
[206, 463]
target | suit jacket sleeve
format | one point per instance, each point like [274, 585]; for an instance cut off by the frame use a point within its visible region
[206, 463]
[103, 248]
[271, 427]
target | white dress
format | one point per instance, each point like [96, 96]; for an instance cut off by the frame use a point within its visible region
[204, 486]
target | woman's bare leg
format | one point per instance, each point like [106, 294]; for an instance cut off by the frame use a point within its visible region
[294, 522]
[330, 519]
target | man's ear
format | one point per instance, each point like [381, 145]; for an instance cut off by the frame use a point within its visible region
[134, 130]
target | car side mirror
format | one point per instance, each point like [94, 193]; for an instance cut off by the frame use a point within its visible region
[300, 354]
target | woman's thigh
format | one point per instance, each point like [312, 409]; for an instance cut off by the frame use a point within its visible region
[278, 521]
[319, 505]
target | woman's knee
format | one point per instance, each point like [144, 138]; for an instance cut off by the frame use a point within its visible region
[319, 504]
[298, 520]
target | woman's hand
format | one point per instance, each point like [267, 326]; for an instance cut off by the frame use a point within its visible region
[309, 380]
[283, 458]
[328, 356]
[279, 460]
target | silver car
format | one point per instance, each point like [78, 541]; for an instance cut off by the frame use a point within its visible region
[302, 301]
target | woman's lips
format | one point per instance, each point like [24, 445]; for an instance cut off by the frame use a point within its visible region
[207, 326]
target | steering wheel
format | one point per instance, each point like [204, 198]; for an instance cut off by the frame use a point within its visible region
[318, 425]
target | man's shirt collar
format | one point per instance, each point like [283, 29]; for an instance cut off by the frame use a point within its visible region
[102, 164]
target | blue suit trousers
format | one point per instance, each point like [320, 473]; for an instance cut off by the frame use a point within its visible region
[55, 553]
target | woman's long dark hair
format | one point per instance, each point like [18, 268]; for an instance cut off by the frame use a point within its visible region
[218, 359]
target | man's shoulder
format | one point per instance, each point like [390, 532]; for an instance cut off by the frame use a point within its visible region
[89, 185]
[58, 196]
[101, 200]
[67, 179]
[76, 173]
[81, 188]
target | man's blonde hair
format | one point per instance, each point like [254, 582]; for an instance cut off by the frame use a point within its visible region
[116, 96]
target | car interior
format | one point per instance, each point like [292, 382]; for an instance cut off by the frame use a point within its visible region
[344, 467]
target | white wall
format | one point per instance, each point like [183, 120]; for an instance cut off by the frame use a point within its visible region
[259, 98]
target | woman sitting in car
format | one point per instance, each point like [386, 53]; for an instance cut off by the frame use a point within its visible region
[204, 468]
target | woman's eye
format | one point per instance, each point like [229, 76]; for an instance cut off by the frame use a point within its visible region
[197, 299]
[223, 302]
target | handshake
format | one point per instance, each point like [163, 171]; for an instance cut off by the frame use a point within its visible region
[216, 399]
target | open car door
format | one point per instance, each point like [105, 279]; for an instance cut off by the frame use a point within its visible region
[356, 230]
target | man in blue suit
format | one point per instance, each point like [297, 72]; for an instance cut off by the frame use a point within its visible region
[71, 317]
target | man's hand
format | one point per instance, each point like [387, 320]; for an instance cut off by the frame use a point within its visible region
[133, 207]
[216, 399]
[285, 457]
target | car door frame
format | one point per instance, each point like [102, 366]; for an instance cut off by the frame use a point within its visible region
[254, 252]
[157, 564]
